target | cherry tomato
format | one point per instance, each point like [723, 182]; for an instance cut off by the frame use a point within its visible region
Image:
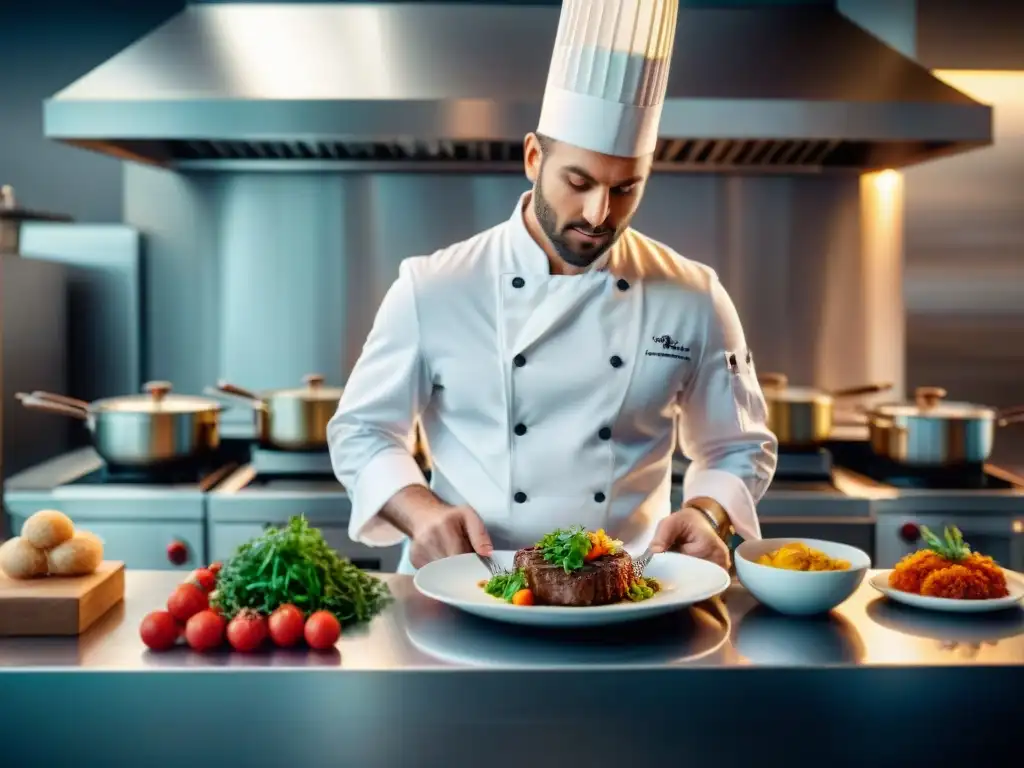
[247, 631]
[214, 568]
[186, 601]
[322, 630]
[522, 597]
[204, 579]
[286, 626]
[159, 630]
[205, 631]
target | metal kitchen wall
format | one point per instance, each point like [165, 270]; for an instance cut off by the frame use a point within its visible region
[263, 277]
[965, 220]
[965, 262]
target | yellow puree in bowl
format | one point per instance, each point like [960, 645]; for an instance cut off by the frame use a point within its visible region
[800, 557]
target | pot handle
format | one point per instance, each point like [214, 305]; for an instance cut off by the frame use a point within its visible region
[855, 418]
[774, 380]
[231, 389]
[1012, 415]
[36, 403]
[864, 389]
[231, 397]
[71, 402]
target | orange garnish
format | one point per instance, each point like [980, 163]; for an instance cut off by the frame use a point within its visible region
[522, 597]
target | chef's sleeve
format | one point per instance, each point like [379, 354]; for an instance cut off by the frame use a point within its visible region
[722, 421]
[368, 437]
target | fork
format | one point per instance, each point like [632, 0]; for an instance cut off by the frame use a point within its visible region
[492, 567]
[640, 563]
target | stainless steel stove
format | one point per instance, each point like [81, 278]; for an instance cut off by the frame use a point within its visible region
[146, 520]
[276, 485]
[842, 494]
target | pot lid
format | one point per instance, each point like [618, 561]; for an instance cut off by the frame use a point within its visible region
[776, 389]
[157, 399]
[797, 395]
[930, 402]
[314, 390]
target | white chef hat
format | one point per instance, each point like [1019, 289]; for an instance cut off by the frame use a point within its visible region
[609, 69]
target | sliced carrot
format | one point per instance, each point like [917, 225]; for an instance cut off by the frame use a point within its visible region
[522, 597]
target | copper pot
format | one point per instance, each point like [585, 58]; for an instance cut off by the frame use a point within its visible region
[296, 419]
[289, 419]
[803, 416]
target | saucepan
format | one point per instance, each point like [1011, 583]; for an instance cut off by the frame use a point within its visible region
[935, 432]
[148, 430]
[296, 419]
[288, 419]
[803, 416]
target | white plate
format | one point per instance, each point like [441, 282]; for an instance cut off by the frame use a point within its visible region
[684, 581]
[1014, 584]
[682, 637]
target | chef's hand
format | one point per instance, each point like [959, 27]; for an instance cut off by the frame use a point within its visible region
[689, 531]
[447, 531]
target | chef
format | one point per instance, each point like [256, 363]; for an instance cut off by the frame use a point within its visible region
[554, 360]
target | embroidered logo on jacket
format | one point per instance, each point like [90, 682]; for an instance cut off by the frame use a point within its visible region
[670, 348]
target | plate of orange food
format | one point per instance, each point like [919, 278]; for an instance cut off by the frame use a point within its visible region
[948, 576]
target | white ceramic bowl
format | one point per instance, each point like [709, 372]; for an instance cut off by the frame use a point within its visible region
[800, 593]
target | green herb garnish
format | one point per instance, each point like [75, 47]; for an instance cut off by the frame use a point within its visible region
[505, 585]
[294, 564]
[952, 546]
[566, 548]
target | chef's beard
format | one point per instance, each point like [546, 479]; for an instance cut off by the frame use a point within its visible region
[548, 220]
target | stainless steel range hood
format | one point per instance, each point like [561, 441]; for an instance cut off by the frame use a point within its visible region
[434, 86]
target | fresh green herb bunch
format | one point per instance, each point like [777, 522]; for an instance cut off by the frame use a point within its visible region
[505, 585]
[952, 546]
[566, 548]
[294, 564]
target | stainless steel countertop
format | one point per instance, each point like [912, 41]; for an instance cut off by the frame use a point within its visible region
[424, 686]
[417, 633]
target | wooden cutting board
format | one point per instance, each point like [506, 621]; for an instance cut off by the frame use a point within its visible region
[59, 605]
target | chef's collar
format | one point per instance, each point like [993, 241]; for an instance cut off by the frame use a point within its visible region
[529, 257]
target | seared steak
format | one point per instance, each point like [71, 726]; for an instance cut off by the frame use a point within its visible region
[603, 581]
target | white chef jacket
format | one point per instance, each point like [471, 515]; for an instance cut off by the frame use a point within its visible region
[549, 401]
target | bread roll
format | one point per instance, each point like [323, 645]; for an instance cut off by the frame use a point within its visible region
[20, 560]
[47, 528]
[78, 556]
